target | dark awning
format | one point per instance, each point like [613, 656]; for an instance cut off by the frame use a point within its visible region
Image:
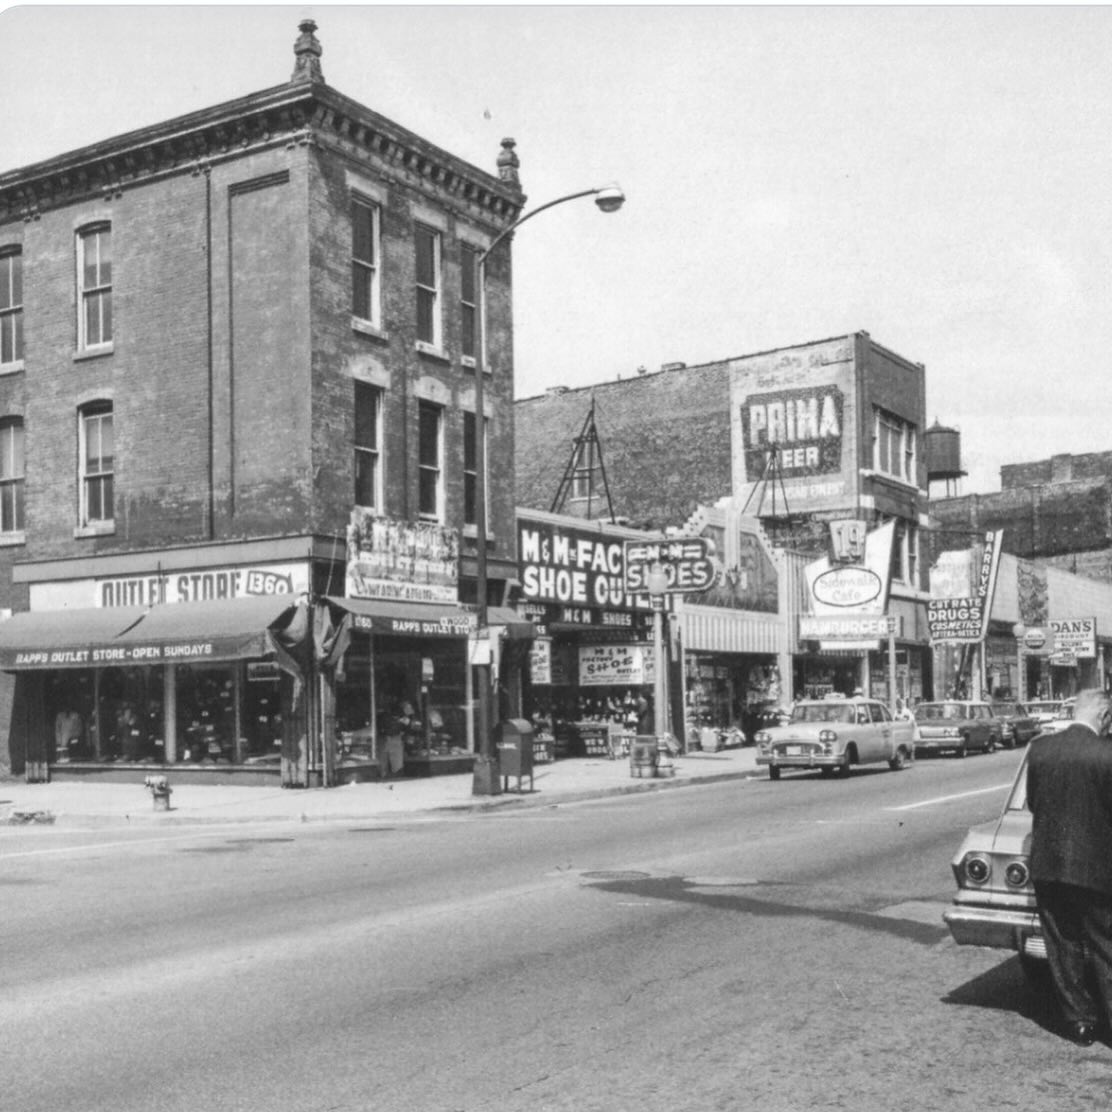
[216, 629]
[63, 638]
[407, 619]
[517, 628]
[174, 633]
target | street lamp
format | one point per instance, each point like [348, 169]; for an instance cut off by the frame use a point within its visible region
[657, 584]
[609, 198]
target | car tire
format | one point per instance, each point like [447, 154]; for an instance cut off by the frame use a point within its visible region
[1036, 972]
[900, 760]
[959, 752]
[990, 745]
[773, 772]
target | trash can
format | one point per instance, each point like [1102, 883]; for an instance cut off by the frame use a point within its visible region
[644, 752]
[515, 751]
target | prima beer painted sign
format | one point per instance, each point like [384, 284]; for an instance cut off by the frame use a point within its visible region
[803, 426]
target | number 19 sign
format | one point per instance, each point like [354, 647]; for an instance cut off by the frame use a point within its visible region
[686, 562]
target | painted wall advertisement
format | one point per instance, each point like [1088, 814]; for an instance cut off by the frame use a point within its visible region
[792, 425]
[411, 561]
[963, 618]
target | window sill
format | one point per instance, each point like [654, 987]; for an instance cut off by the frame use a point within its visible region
[11, 368]
[93, 352]
[366, 328]
[432, 351]
[471, 533]
[95, 529]
[893, 480]
[13, 540]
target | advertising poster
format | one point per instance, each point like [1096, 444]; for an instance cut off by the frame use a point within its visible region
[602, 665]
[411, 561]
[963, 619]
[796, 409]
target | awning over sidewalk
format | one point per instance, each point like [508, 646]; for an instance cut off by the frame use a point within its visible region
[406, 619]
[175, 633]
[62, 638]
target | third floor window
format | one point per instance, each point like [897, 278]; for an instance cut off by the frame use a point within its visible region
[365, 265]
[468, 261]
[97, 463]
[428, 286]
[11, 306]
[94, 280]
[11, 475]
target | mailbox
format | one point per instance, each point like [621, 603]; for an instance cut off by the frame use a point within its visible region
[515, 751]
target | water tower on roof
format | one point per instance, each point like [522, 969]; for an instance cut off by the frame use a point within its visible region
[942, 449]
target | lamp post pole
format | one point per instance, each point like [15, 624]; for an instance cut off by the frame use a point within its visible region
[608, 198]
[657, 584]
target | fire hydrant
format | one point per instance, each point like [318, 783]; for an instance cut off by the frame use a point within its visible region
[160, 792]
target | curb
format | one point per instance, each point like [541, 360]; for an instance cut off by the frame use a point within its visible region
[506, 801]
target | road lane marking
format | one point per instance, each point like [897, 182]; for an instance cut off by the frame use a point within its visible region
[948, 798]
[85, 847]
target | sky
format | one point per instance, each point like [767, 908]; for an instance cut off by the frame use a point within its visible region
[938, 177]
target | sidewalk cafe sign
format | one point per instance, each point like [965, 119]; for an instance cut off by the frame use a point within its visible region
[963, 619]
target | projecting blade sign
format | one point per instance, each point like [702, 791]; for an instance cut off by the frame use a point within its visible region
[688, 564]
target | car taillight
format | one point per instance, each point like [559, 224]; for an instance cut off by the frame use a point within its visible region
[976, 869]
[1017, 874]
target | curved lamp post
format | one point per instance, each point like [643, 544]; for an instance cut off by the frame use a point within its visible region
[608, 198]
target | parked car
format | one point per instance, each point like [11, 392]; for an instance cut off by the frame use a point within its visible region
[1017, 725]
[1043, 710]
[995, 901]
[833, 735]
[1062, 718]
[956, 726]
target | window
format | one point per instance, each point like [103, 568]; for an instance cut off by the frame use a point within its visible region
[905, 554]
[96, 456]
[368, 437]
[893, 446]
[11, 475]
[365, 261]
[470, 469]
[468, 261]
[11, 306]
[94, 281]
[429, 453]
[428, 286]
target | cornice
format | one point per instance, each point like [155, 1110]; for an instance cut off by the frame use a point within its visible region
[292, 114]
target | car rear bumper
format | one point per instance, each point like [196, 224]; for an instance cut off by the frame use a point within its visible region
[1001, 928]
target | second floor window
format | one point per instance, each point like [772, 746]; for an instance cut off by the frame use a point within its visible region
[97, 463]
[430, 452]
[365, 269]
[11, 475]
[471, 469]
[428, 286]
[11, 307]
[893, 446]
[468, 281]
[368, 434]
[94, 280]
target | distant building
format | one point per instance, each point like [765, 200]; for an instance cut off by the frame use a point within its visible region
[799, 437]
[236, 363]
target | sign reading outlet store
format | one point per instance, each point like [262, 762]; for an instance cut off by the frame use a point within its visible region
[159, 587]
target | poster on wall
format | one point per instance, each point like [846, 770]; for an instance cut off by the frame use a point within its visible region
[412, 561]
[792, 422]
[615, 665]
[963, 619]
[540, 661]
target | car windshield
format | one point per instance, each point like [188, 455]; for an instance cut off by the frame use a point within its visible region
[822, 712]
[1005, 709]
[933, 712]
[1042, 708]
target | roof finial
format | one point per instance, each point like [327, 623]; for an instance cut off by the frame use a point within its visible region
[508, 163]
[308, 52]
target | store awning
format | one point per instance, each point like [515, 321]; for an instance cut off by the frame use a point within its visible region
[177, 633]
[213, 630]
[517, 628]
[407, 619]
[63, 638]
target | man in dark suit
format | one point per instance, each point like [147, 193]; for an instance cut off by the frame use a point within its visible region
[1069, 792]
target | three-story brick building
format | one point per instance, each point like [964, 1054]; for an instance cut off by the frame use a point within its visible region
[237, 363]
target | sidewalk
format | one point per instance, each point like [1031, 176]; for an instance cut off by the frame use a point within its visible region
[96, 804]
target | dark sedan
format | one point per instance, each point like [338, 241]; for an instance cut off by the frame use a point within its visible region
[1018, 725]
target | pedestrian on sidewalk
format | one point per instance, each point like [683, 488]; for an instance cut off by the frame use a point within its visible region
[1069, 792]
